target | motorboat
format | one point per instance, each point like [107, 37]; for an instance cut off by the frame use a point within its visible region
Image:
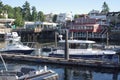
[14, 44]
[80, 49]
[27, 73]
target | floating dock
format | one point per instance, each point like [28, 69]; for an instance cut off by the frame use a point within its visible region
[62, 61]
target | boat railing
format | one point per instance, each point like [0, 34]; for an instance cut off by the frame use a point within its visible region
[3, 62]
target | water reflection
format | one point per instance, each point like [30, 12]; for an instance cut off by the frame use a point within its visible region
[68, 72]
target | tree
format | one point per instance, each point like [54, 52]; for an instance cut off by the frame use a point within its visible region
[26, 11]
[9, 10]
[54, 18]
[34, 14]
[18, 17]
[76, 16]
[41, 16]
[105, 8]
[1, 6]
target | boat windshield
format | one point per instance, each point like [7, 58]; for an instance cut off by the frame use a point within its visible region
[80, 46]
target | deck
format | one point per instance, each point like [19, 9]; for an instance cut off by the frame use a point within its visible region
[71, 62]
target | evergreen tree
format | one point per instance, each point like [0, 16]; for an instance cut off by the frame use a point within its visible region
[34, 14]
[76, 16]
[41, 16]
[9, 10]
[1, 6]
[18, 17]
[54, 18]
[105, 8]
[26, 11]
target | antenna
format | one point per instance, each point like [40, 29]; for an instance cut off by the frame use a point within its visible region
[3, 62]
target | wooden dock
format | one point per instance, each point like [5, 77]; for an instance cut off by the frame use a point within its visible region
[62, 61]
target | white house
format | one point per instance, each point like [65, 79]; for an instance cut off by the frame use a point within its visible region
[63, 17]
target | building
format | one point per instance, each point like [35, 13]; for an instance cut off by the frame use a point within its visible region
[86, 27]
[49, 17]
[4, 14]
[38, 26]
[63, 17]
[113, 19]
[100, 17]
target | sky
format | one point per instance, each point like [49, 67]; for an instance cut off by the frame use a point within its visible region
[66, 6]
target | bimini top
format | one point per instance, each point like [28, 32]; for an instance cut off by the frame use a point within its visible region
[77, 41]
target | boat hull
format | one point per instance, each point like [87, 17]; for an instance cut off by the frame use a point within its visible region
[108, 56]
[18, 51]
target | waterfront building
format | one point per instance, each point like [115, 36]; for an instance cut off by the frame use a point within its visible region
[39, 26]
[100, 17]
[86, 27]
[113, 19]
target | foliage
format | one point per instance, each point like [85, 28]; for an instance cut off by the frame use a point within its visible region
[21, 14]
[41, 16]
[76, 16]
[26, 11]
[54, 18]
[9, 10]
[18, 17]
[105, 8]
[34, 14]
[1, 6]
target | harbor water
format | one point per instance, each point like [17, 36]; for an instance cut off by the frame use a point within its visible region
[66, 72]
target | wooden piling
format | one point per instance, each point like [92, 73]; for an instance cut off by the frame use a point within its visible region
[66, 45]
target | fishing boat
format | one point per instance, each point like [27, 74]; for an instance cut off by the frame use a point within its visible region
[14, 44]
[79, 49]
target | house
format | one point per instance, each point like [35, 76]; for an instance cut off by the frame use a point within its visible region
[63, 17]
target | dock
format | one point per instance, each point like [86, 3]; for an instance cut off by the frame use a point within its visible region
[62, 61]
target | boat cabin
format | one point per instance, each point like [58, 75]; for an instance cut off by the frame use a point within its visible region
[78, 44]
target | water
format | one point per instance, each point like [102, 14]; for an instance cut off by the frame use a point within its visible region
[68, 72]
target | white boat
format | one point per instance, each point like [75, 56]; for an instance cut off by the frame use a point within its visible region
[27, 73]
[79, 49]
[14, 44]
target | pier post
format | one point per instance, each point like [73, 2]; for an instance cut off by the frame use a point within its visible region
[107, 39]
[87, 35]
[56, 39]
[66, 45]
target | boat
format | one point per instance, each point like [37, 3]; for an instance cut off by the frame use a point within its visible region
[80, 49]
[14, 45]
[27, 73]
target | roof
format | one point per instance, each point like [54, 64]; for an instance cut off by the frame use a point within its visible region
[77, 41]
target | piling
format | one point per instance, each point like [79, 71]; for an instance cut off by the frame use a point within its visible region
[66, 45]
[55, 39]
